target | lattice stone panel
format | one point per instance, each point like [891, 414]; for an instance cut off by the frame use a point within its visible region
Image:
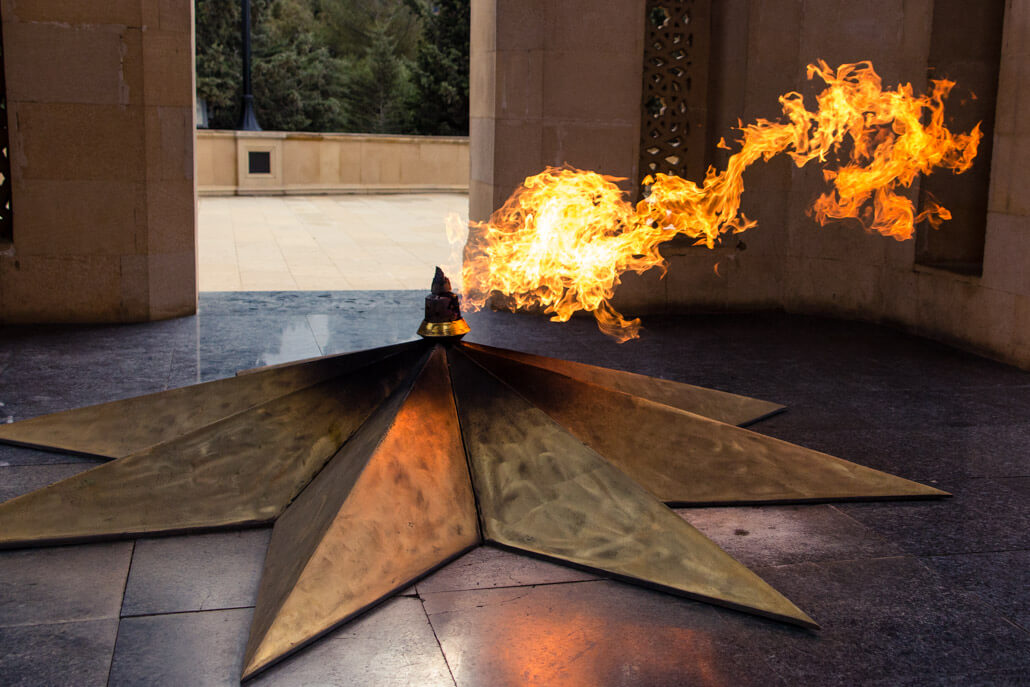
[675, 89]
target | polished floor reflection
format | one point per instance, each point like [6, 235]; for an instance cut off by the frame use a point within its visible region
[907, 593]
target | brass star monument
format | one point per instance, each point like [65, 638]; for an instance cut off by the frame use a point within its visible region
[380, 466]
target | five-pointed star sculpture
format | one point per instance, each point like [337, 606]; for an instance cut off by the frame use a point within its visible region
[380, 466]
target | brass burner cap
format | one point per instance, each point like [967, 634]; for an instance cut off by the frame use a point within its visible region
[455, 329]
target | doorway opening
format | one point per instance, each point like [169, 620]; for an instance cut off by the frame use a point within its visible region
[363, 154]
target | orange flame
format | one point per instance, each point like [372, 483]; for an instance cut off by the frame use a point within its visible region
[562, 240]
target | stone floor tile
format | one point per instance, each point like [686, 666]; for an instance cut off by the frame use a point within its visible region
[202, 648]
[1001, 579]
[60, 584]
[922, 364]
[16, 480]
[57, 374]
[487, 566]
[195, 572]
[220, 280]
[984, 677]
[226, 344]
[274, 243]
[21, 455]
[928, 455]
[384, 322]
[392, 645]
[318, 282]
[269, 303]
[886, 618]
[867, 393]
[31, 400]
[266, 280]
[596, 633]
[982, 515]
[882, 408]
[781, 535]
[74, 653]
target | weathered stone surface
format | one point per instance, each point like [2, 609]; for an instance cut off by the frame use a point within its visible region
[195, 573]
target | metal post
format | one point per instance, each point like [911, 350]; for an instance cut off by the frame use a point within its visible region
[248, 120]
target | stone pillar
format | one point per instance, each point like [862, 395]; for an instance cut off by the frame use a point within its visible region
[1000, 318]
[552, 83]
[100, 108]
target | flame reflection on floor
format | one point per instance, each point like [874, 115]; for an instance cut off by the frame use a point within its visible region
[571, 647]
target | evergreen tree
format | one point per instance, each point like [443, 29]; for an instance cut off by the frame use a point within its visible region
[218, 60]
[378, 40]
[348, 27]
[298, 84]
[373, 66]
[441, 75]
[379, 90]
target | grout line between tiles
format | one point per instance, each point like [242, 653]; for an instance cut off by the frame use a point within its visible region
[186, 612]
[439, 644]
[118, 628]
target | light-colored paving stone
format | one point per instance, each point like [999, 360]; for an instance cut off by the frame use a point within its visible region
[325, 243]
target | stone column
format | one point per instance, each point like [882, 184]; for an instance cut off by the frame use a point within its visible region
[552, 83]
[100, 108]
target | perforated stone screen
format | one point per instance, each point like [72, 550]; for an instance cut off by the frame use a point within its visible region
[6, 229]
[675, 88]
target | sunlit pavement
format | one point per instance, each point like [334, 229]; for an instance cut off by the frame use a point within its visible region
[324, 243]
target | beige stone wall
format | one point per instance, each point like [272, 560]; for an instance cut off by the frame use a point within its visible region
[998, 312]
[314, 163]
[552, 83]
[100, 104]
[759, 49]
[838, 270]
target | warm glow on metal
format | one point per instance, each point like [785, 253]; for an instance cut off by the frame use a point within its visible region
[562, 240]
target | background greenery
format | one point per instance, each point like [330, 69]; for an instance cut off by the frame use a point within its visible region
[367, 66]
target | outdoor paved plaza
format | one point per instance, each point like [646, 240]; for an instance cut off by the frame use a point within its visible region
[333, 243]
[907, 593]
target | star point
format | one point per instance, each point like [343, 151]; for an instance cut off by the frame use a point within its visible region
[378, 467]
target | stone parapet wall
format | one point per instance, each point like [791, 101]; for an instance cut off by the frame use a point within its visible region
[326, 163]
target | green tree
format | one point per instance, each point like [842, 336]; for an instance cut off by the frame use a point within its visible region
[218, 60]
[440, 104]
[298, 84]
[379, 88]
[376, 66]
[377, 40]
[349, 27]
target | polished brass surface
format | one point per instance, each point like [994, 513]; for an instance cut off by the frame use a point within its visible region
[241, 470]
[120, 428]
[718, 405]
[543, 491]
[686, 459]
[394, 503]
[347, 361]
[443, 330]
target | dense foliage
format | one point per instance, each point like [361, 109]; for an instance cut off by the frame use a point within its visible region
[441, 72]
[370, 66]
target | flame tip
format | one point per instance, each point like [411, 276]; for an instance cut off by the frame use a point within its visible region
[562, 240]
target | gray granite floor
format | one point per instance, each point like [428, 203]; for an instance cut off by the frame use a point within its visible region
[907, 593]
